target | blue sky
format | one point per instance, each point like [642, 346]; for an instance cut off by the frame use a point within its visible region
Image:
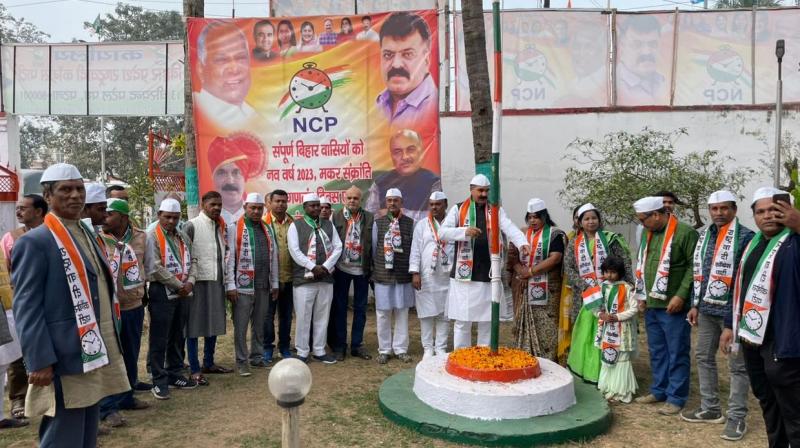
[63, 19]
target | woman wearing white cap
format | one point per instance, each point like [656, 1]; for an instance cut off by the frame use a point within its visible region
[585, 254]
[536, 284]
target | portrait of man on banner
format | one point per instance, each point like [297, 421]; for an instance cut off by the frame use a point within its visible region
[234, 160]
[639, 78]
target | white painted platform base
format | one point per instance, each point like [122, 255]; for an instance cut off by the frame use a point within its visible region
[550, 393]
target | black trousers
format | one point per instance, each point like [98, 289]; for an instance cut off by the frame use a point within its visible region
[776, 384]
[167, 321]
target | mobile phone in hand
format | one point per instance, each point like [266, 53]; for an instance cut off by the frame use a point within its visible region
[782, 197]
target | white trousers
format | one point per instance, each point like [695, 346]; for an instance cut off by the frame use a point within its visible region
[462, 333]
[426, 325]
[312, 299]
[388, 342]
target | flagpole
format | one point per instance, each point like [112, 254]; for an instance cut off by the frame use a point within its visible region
[494, 195]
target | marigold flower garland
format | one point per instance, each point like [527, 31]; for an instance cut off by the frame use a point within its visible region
[480, 358]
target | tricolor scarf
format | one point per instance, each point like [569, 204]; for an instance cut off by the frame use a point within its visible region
[270, 221]
[352, 237]
[316, 228]
[609, 334]
[245, 262]
[176, 260]
[440, 249]
[392, 240]
[465, 252]
[94, 353]
[123, 258]
[589, 262]
[720, 280]
[538, 288]
[750, 323]
[659, 289]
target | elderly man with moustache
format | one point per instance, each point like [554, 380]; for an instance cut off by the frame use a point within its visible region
[766, 312]
[392, 235]
[315, 248]
[716, 263]
[354, 226]
[663, 279]
[256, 280]
[431, 258]
[469, 297]
[65, 311]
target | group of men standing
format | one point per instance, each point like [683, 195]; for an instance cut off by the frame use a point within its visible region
[740, 289]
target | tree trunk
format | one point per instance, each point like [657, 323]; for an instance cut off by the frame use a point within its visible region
[191, 8]
[480, 98]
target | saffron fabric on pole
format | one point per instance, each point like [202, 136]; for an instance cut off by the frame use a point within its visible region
[321, 105]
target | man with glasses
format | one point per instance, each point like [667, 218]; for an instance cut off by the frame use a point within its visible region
[663, 287]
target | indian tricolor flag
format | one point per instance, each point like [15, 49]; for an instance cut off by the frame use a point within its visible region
[592, 297]
[339, 76]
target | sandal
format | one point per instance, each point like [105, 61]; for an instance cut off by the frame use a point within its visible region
[18, 409]
[199, 379]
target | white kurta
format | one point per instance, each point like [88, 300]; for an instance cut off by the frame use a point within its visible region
[471, 301]
[432, 297]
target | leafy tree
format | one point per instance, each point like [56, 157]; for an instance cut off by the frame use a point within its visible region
[622, 167]
[740, 4]
[133, 23]
[13, 29]
[140, 193]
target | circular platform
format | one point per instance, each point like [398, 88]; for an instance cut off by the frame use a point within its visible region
[550, 393]
[588, 418]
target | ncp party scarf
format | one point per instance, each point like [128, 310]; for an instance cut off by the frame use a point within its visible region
[538, 288]
[720, 280]
[392, 240]
[245, 261]
[659, 289]
[352, 237]
[312, 242]
[465, 251]
[124, 259]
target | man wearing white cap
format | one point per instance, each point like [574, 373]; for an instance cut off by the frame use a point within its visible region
[470, 296]
[94, 212]
[171, 269]
[125, 249]
[256, 279]
[392, 236]
[207, 318]
[663, 280]
[66, 317]
[431, 258]
[315, 248]
[716, 263]
[354, 225]
[766, 312]
[325, 210]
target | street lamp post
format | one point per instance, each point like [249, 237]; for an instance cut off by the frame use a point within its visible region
[289, 382]
[780, 49]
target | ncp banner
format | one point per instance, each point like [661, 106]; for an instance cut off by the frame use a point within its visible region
[713, 63]
[551, 59]
[644, 58]
[318, 104]
[770, 26]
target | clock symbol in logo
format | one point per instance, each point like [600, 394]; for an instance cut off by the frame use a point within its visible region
[717, 288]
[310, 88]
[537, 292]
[91, 343]
[753, 319]
[610, 355]
[662, 284]
[132, 274]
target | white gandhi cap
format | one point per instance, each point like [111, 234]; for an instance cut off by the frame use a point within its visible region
[394, 193]
[720, 196]
[585, 208]
[254, 198]
[95, 193]
[767, 192]
[480, 180]
[325, 200]
[310, 197]
[649, 204]
[536, 205]
[438, 196]
[60, 171]
[170, 205]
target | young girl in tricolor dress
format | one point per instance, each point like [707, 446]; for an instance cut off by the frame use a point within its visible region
[616, 333]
